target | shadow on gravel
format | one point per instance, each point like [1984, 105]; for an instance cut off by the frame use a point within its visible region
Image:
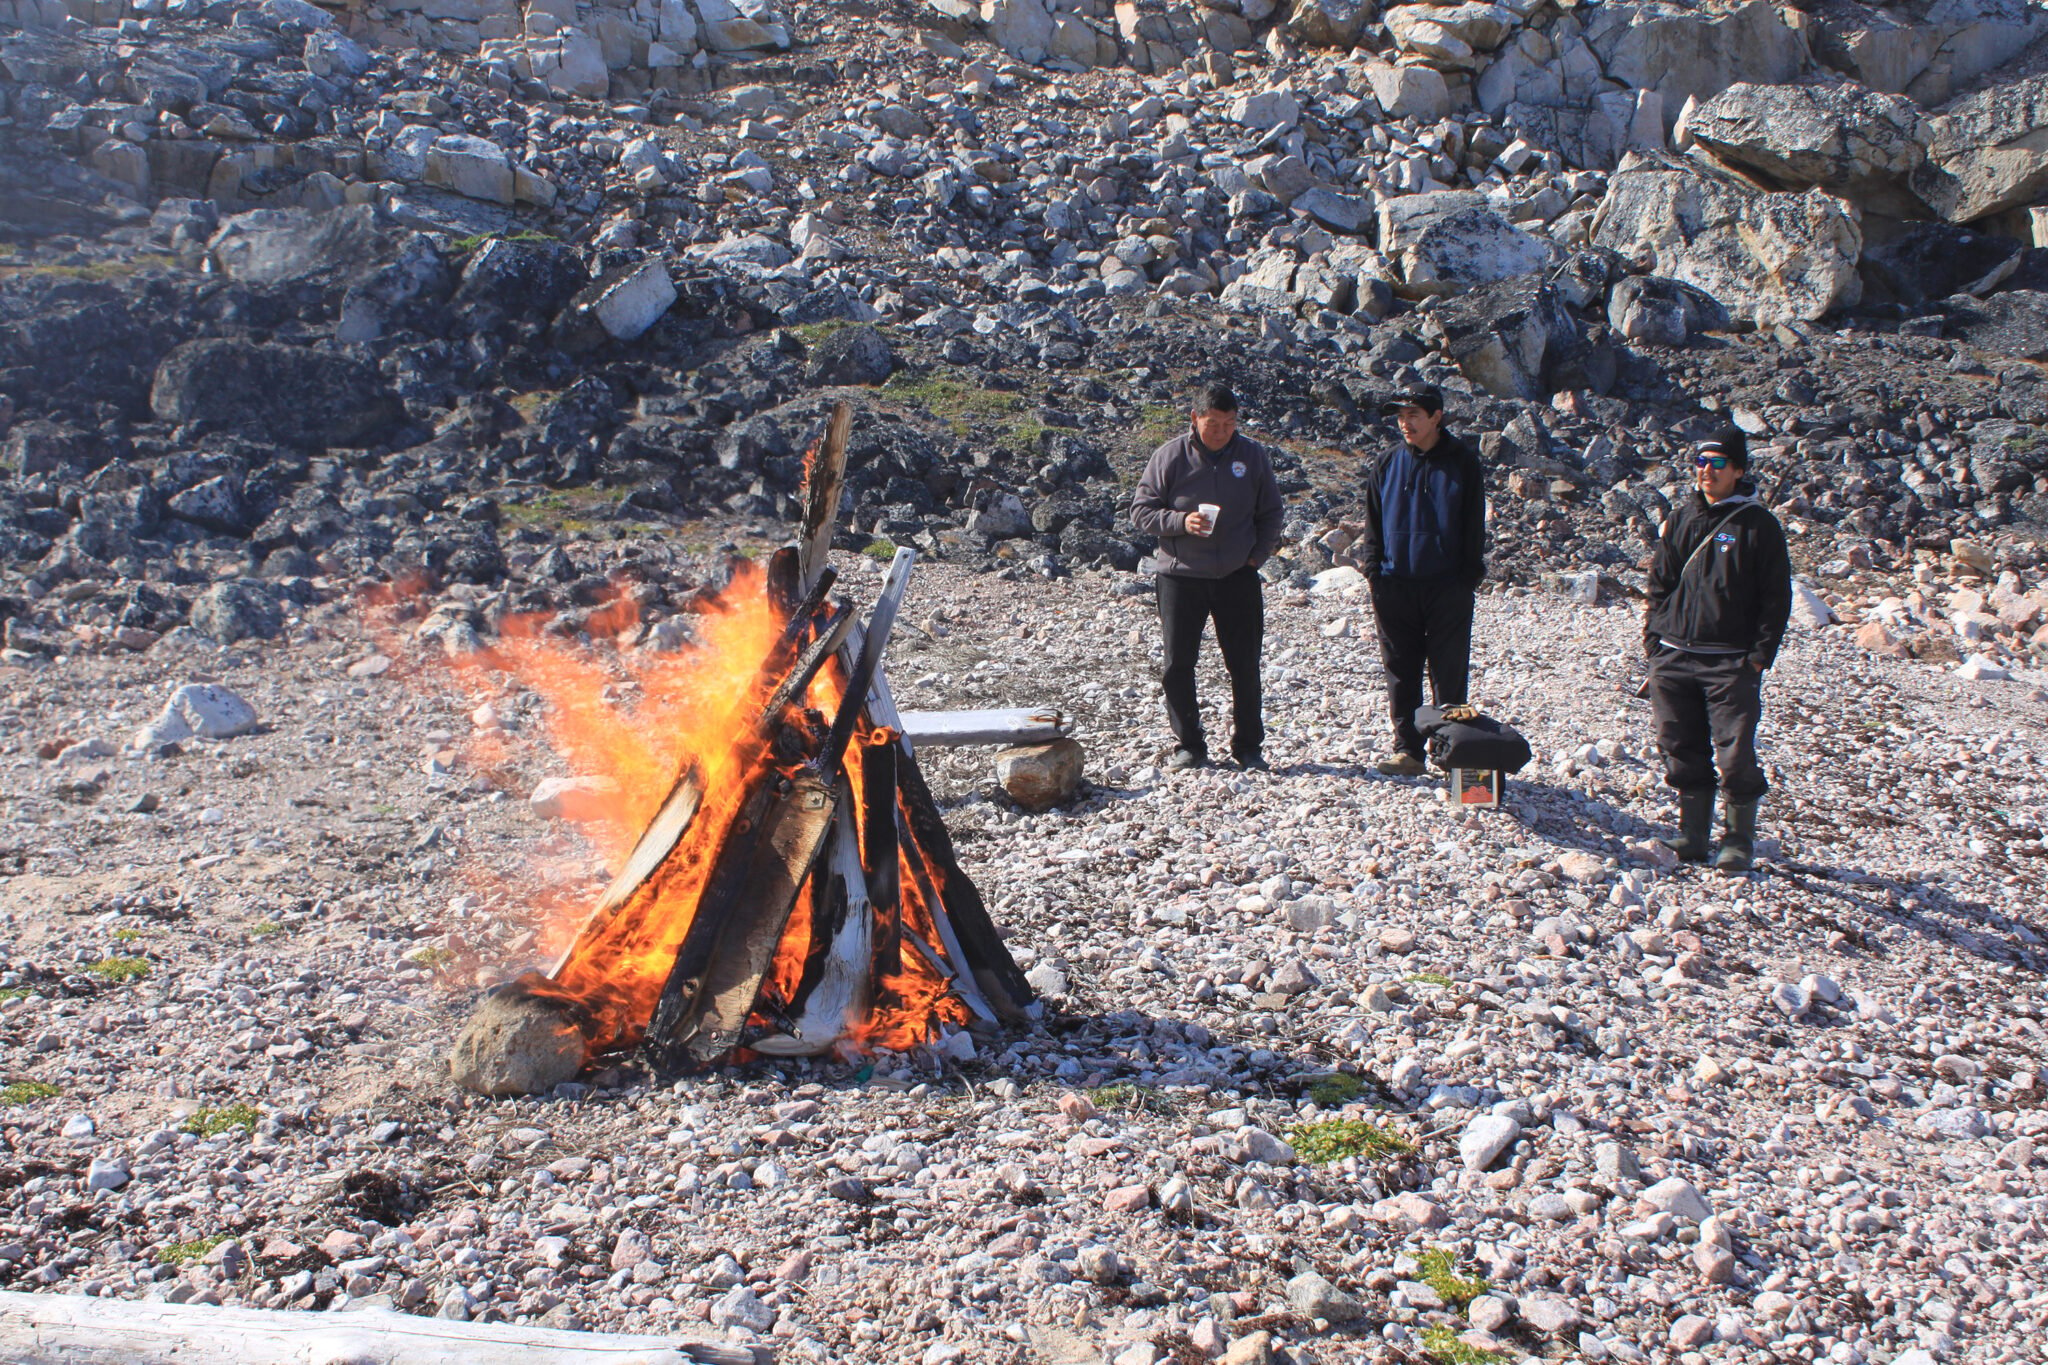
[1560, 814]
[1924, 908]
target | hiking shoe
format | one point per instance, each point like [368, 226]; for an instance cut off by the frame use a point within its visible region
[1402, 765]
[1253, 762]
[1185, 758]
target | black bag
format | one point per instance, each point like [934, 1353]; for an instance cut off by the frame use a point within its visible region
[1481, 742]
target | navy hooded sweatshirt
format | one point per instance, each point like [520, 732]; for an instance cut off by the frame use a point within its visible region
[1425, 513]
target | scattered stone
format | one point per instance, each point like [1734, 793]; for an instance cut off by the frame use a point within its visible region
[1041, 776]
[1484, 1140]
[1550, 1315]
[516, 1043]
[577, 799]
[1677, 1196]
[1313, 1296]
[202, 710]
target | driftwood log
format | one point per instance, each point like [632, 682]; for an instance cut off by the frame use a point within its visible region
[70, 1329]
[996, 729]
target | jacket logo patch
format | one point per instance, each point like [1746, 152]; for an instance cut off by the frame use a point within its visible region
[1724, 541]
[1237, 468]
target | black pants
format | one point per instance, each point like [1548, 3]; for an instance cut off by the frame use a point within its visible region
[1423, 623]
[1237, 604]
[1707, 707]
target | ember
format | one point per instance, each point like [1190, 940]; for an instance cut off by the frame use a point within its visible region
[795, 890]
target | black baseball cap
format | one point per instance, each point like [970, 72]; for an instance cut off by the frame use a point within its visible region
[1428, 397]
[1729, 441]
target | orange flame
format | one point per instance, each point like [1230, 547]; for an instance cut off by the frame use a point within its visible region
[641, 718]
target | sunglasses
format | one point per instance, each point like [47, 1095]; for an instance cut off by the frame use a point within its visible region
[1717, 461]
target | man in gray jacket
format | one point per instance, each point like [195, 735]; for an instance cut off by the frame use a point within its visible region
[1210, 496]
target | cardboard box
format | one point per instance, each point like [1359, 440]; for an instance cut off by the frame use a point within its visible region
[1476, 786]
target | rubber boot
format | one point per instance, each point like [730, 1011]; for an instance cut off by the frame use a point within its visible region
[1695, 841]
[1738, 837]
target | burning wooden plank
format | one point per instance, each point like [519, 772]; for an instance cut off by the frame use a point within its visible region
[881, 849]
[965, 911]
[835, 996]
[702, 1018]
[985, 954]
[824, 481]
[673, 820]
[747, 903]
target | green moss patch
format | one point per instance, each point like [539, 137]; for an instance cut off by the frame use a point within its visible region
[1319, 1144]
[212, 1122]
[1439, 1271]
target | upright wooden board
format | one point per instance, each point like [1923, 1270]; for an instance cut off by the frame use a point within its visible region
[824, 481]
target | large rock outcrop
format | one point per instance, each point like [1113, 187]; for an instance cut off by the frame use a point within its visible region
[1450, 240]
[270, 246]
[1687, 52]
[1927, 49]
[1844, 138]
[1765, 256]
[1598, 84]
[1512, 337]
[293, 395]
[1988, 151]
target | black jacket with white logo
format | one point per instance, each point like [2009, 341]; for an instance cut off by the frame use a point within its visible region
[1721, 581]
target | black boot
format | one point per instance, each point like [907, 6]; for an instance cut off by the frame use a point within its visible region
[1695, 839]
[1738, 837]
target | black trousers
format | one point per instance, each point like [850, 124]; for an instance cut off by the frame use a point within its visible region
[1423, 624]
[1237, 604]
[1707, 707]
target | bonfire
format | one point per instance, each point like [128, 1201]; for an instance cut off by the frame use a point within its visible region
[795, 891]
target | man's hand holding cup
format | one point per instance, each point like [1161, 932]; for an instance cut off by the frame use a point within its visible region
[1202, 521]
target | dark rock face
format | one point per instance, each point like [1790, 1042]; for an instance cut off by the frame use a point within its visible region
[272, 246]
[75, 343]
[1935, 260]
[852, 355]
[1661, 312]
[1510, 337]
[40, 447]
[215, 504]
[2013, 323]
[296, 397]
[509, 278]
[228, 612]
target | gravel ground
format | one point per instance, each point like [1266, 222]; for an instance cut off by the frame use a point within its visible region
[1593, 1105]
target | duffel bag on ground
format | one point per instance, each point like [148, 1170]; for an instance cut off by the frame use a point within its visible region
[1474, 741]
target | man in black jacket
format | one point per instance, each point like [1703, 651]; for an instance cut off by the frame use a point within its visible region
[1208, 568]
[1720, 595]
[1423, 546]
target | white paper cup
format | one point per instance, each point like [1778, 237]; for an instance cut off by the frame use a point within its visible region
[1210, 511]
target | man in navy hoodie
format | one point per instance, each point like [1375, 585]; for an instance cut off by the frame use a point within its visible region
[1423, 545]
[1720, 594]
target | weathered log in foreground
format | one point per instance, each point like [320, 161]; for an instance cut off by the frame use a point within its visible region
[70, 1329]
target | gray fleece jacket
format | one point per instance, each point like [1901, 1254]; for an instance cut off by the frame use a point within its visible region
[1180, 477]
